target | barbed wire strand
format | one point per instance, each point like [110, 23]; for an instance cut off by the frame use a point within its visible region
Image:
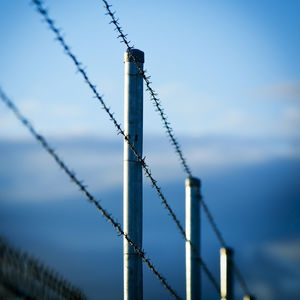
[153, 94]
[18, 271]
[213, 223]
[240, 278]
[223, 244]
[167, 125]
[84, 190]
[141, 160]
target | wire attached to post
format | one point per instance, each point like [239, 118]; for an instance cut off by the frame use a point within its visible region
[84, 190]
[141, 160]
[170, 131]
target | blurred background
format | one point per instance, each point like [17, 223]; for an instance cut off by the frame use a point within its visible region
[228, 75]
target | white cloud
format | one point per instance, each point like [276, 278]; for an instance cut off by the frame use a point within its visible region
[218, 153]
[99, 161]
[286, 251]
[262, 290]
[55, 118]
[286, 90]
[232, 113]
[291, 115]
[190, 113]
[30, 171]
[286, 254]
[289, 122]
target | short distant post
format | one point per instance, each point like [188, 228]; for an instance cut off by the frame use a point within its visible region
[248, 297]
[226, 273]
[133, 184]
[192, 227]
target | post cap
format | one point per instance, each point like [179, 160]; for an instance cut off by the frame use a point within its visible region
[193, 181]
[227, 251]
[139, 56]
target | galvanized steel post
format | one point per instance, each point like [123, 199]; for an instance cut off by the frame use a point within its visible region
[226, 273]
[192, 228]
[133, 180]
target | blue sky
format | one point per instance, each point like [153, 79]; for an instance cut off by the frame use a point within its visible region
[232, 66]
[228, 75]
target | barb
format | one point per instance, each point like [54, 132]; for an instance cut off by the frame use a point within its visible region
[25, 276]
[166, 124]
[141, 160]
[84, 190]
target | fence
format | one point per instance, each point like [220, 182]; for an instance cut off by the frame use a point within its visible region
[134, 163]
[25, 277]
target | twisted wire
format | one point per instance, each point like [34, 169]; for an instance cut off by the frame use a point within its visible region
[167, 125]
[84, 190]
[141, 160]
[214, 226]
[18, 272]
[107, 110]
[154, 96]
[240, 278]
[213, 223]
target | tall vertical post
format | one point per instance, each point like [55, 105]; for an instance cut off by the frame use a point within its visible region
[226, 273]
[192, 228]
[132, 182]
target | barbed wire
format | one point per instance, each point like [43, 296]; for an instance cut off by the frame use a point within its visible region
[141, 160]
[167, 125]
[240, 278]
[223, 244]
[84, 190]
[153, 94]
[25, 276]
[213, 223]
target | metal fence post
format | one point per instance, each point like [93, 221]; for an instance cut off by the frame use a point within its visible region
[192, 227]
[133, 181]
[226, 273]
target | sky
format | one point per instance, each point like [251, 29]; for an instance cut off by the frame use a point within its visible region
[228, 75]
